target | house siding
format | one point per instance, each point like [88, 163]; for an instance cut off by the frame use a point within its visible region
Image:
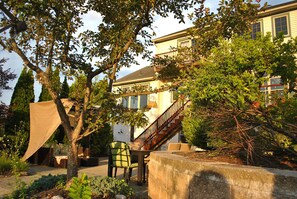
[166, 43]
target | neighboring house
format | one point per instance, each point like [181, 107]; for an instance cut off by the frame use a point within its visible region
[276, 19]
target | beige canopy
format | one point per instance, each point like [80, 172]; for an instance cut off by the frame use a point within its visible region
[44, 120]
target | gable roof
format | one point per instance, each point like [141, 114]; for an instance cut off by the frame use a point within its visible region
[144, 74]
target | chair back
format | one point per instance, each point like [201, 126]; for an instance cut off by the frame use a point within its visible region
[120, 154]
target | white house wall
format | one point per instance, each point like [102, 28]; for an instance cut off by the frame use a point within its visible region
[163, 99]
[165, 47]
[268, 25]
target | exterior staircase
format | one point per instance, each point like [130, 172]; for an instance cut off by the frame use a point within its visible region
[162, 129]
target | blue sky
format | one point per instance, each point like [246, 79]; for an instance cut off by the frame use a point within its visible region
[162, 26]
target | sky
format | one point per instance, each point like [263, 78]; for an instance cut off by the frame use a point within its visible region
[162, 26]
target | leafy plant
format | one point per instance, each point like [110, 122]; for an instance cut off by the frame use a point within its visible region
[5, 164]
[20, 189]
[11, 163]
[195, 129]
[226, 95]
[108, 187]
[42, 184]
[46, 183]
[10, 151]
[80, 188]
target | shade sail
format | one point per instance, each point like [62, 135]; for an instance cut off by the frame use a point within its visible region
[44, 120]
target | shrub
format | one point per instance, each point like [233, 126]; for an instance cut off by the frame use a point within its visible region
[11, 163]
[5, 165]
[195, 129]
[108, 187]
[42, 184]
[80, 188]
[46, 183]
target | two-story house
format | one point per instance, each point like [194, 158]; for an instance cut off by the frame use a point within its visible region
[276, 19]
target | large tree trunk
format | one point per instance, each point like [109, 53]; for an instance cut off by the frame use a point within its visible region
[72, 164]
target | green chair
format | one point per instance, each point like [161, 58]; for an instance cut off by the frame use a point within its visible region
[120, 157]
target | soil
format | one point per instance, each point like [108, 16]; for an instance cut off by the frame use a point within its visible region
[279, 162]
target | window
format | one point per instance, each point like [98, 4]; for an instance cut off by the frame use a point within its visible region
[183, 43]
[125, 102]
[143, 101]
[273, 88]
[134, 102]
[281, 25]
[186, 45]
[256, 29]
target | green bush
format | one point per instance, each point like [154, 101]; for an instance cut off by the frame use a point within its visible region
[46, 183]
[108, 187]
[5, 165]
[42, 184]
[80, 188]
[195, 129]
[11, 163]
[19, 166]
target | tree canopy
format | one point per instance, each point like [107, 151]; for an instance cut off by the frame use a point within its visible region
[5, 77]
[52, 40]
[230, 109]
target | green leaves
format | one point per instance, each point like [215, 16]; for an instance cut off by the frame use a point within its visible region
[234, 71]
[80, 188]
[232, 17]
[108, 187]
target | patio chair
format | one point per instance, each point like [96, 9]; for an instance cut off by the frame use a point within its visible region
[120, 157]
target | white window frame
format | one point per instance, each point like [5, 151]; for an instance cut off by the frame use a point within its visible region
[130, 88]
[288, 24]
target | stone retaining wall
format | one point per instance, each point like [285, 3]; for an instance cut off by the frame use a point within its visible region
[172, 176]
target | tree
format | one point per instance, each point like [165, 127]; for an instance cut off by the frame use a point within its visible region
[226, 95]
[232, 17]
[5, 77]
[123, 32]
[23, 95]
[224, 78]
[64, 89]
[55, 79]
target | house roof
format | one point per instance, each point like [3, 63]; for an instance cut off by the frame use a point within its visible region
[144, 74]
[279, 8]
[179, 34]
